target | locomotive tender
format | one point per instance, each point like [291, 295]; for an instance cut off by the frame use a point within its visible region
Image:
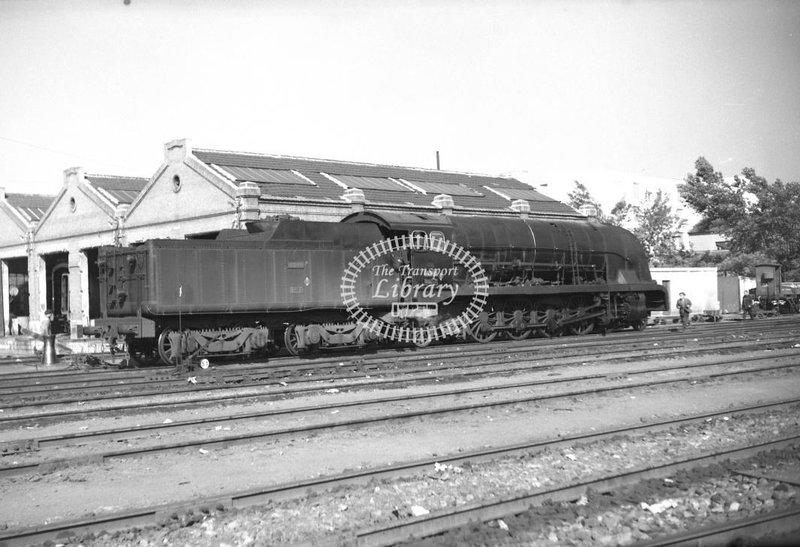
[281, 282]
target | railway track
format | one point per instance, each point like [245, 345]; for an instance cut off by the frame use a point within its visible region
[436, 403]
[439, 521]
[39, 383]
[775, 524]
[61, 391]
[21, 414]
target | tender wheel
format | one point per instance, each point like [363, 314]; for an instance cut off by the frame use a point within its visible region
[290, 340]
[165, 342]
[640, 324]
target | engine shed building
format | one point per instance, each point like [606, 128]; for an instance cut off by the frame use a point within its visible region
[196, 193]
[19, 215]
[87, 213]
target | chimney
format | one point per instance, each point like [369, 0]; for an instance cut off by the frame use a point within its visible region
[356, 198]
[75, 175]
[175, 151]
[522, 207]
[445, 203]
[588, 210]
[247, 194]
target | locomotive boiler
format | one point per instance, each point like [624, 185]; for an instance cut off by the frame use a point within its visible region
[412, 277]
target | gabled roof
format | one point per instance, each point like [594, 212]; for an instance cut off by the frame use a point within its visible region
[107, 192]
[30, 206]
[117, 190]
[287, 177]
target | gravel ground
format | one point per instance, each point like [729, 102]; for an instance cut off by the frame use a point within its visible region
[179, 476]
[688, 500]
[629, 515]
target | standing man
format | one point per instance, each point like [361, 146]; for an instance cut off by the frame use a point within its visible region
[747, 306]
[46, 330]
[684, 308]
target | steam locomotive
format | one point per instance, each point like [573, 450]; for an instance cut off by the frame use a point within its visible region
[410, 277]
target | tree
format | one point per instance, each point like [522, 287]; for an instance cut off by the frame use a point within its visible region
[742, 263]
[754, 215]
[651, 221]
[656, 226]
[581, 196]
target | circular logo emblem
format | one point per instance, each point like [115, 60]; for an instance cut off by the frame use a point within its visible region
[419, 284]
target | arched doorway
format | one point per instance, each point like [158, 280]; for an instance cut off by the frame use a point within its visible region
[57, 265]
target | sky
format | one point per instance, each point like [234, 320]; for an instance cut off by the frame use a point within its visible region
[546, 91]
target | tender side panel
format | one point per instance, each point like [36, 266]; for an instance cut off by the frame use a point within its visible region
[202, 279]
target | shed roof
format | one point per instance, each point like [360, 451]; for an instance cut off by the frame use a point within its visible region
[326, 180]
[31, 206]
[117, 190]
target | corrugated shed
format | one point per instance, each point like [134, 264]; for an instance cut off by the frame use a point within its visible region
[315, 179]
[118, 190]
[31, 206]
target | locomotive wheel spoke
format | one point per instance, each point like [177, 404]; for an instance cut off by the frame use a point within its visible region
[553, 317]
[582, 327]
[165, 347]
[422, 341]
[290, 340]
[519, 334]
[538, 316]
[515, 312]
[481, 331]
[576, 306]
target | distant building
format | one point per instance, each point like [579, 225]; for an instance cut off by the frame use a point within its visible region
[702, 240]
